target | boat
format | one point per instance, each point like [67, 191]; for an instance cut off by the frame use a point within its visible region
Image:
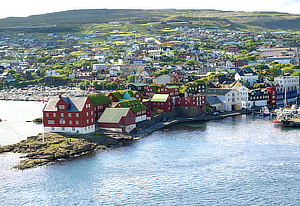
[265, 111]
[278, 121]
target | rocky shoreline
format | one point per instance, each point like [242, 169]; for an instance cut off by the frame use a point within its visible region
[61, 147]
[64, 146]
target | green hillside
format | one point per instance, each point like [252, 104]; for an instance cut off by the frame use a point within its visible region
[82, 20]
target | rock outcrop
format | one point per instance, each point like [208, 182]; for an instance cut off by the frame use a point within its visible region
[56, 147]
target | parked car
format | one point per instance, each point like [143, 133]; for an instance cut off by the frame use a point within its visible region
[215, 113]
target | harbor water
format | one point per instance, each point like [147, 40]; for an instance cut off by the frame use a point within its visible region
[241, 160]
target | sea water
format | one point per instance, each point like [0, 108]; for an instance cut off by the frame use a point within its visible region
[242, 160]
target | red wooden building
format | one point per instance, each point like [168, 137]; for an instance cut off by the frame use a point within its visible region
[272, 96]
[172, 91]
[139, 110]
[117, 119]
[100, 102]
[233, 49]
[162, 101]
[151, 90]
[69, 114]
[193, 101]
[241, 63]
[114, 79]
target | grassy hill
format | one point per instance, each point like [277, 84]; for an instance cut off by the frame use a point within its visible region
[77, 21]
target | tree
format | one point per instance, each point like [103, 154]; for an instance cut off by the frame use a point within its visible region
[18, 76]
[81, 85]
[43, 59]
[11, 71]
[261, 67]
[131, 78]
[191, 62]
[95, 84]
[287, 70]
[296, 73]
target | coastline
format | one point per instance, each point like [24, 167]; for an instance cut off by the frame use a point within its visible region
[39, 150]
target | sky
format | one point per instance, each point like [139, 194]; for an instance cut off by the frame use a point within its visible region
[21, 8]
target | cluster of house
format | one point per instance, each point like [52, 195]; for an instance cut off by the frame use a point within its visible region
[118, 111]
[135, 55]
[121, 110]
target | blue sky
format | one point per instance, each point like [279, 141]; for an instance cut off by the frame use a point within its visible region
[21, 8]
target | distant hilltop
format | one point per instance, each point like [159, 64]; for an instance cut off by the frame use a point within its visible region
[71, 21]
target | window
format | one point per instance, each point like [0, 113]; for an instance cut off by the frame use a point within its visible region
[61, 114]
[54, 114]
[69, 114]
[47, 114]
[92, 120]
[62, 121]
[52, 128]
[77, 122]
[77, 114]
[70, 122]
[87, 121]
[87, 113]
[50, 121]
[73, 128]
[63, 129]
[61, 106]
[91, 112]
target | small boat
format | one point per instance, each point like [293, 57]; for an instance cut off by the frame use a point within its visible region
[277, 122]
[265, 111]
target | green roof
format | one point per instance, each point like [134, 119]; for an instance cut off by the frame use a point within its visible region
[98, 99]
[113, 115]
[117, 94]
[200, 81]
[134, 104]
[139, 84]
[172, 87]
[183, 89]
[160, 97]
[156, 87]
[120, 93]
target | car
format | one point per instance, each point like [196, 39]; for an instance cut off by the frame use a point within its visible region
[215, 113]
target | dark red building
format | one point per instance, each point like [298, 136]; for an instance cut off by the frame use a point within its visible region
[272, 96]
[233, 49]
[241, 63]
[162, 101]
[193, 101]
[69, 114]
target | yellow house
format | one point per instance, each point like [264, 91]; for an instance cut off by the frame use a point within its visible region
[227, 85]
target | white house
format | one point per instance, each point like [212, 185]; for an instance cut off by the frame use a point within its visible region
[231, 98]
[100, 58]
[247, 74]
[288, 82]
[243, 94]
[97, 67]
[163, 79]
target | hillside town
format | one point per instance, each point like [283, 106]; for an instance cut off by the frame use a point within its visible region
[132, 77]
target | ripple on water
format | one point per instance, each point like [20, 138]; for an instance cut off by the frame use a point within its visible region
[235, 161]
